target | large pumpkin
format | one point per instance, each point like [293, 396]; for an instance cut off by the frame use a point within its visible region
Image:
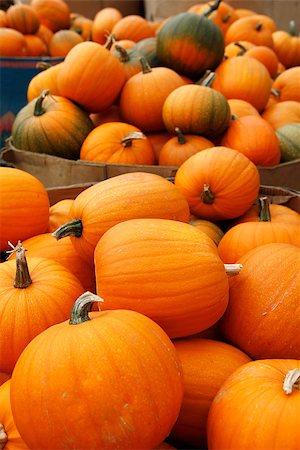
[219, 183]
[51, 124]
[145, 265]
[206, 364]
[85, 383]
[97, 86]
[35, 293]
[123, 197]
[190, 43]
[262, 317]
[24, 206]
[255, 406]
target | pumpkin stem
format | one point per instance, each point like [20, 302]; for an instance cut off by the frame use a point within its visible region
[146, 68]
[82, 306]
[110, 40]
[291, 380]
[207, 196]
[127, 140]
[233, 117]
[232, 269]
[180, 136]
[123, 53]
[3, 437]
[242, 48]
[22, 278]
[264, 209]
[38, 107]
[292, 28]
[226, 17]
[72, 228]
[43, 65]
[207, 78]
[259, 26]
[212, 8]
[275, 92]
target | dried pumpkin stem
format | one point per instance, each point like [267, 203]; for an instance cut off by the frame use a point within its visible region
[123, 53]
[146, 68]
[39, 110]
[232, 269]
[207, 78]
[22, 277]
[127, 140]
[259, 26]
[72, 228]
[264, 209]
[82, 306]
[180, 136]
[207, 196]
[3, 437]
[291, 381]
[292, 28]
[212, 8]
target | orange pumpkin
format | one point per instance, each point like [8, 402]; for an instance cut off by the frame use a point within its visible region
[211, 229]
[287, 84]
[157, 140]
[245, 236]
[241, 108]
[12, 43]
[105, 388]
[272, 388]
[123, 197]
[143, 96]
[103, 23]
[3, 19]
[133, 27]
[23, 18]
[282, 113]
[24, 206]
[262, 315]
[38, 293]
[44, 33]
[97, 87]
[206, 364]
[179, 148]
[10, 438]
[286, 45]
[140, 264]
[223, 16]
[59, 213]
[117, 142]
[62, 41]
[46, 79]
[265, 55]
[35, 46]
[244, 78]
[237, 48]
[219, 183]
[83, 26]
[251, 28]
[261, 146]
[54, 14]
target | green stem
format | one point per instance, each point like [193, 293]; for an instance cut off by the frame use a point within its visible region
[212, 8]
[207, 78]
[180, 136]
[264, 209]
[72, 228]
[127, 140]
[146, 68]
[207, 196]
[39, 110]
[82, 306]
[292, 28]
[123, 54]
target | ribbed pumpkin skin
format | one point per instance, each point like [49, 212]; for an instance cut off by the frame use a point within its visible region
[262, 317]
[145, 265]
[244, 78]
[231, 176]
[96, 374]
[29, 311]
[206, 364]
[289, 141]
[190, 43]
[14, 440]
[60, 131]
[196, 110]
[47, 79]
[23, 18]
[24, 206]
[253, 397]
[127, 196]
[91, 76]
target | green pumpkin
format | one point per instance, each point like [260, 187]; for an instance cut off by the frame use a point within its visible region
[51, 124]
[148, 48]
[289, 141]
[190, 44]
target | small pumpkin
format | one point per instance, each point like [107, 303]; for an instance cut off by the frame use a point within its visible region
[23, 18]
[210, 228]
[219, 183]
[90, 366]
[46, 79]
[35, 46]
[133, 27]
[286, 45]
[272, 403]
[51, 124]
[103, 23]
[12, 43]
[240, 107]
[254, 28]
[62, 41]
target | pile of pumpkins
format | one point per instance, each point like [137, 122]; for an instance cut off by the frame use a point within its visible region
[149, 313]
[155, 93]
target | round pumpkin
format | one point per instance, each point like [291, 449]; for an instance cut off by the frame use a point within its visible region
[123, 197]
[10, 438]
[219, 183]
[265, 55]
[92, 370]
[51, 124]
[255, 405]
[24, 206]
[12, 43]
[62, 41]
[286, 45]
[287, 84]
[46, 79]
[282, 113]
[133, 27]
[103, 23]
[35, 46]
[117, 142]
[97, 86]
[35, 293]
[23, 18]
[210, 118]
[190, 43]
[262, 315]
[145, 265]
[251, 28]
[211, 229]
[240, 108]
[206, 364]
[54, 14]
[289, 141]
